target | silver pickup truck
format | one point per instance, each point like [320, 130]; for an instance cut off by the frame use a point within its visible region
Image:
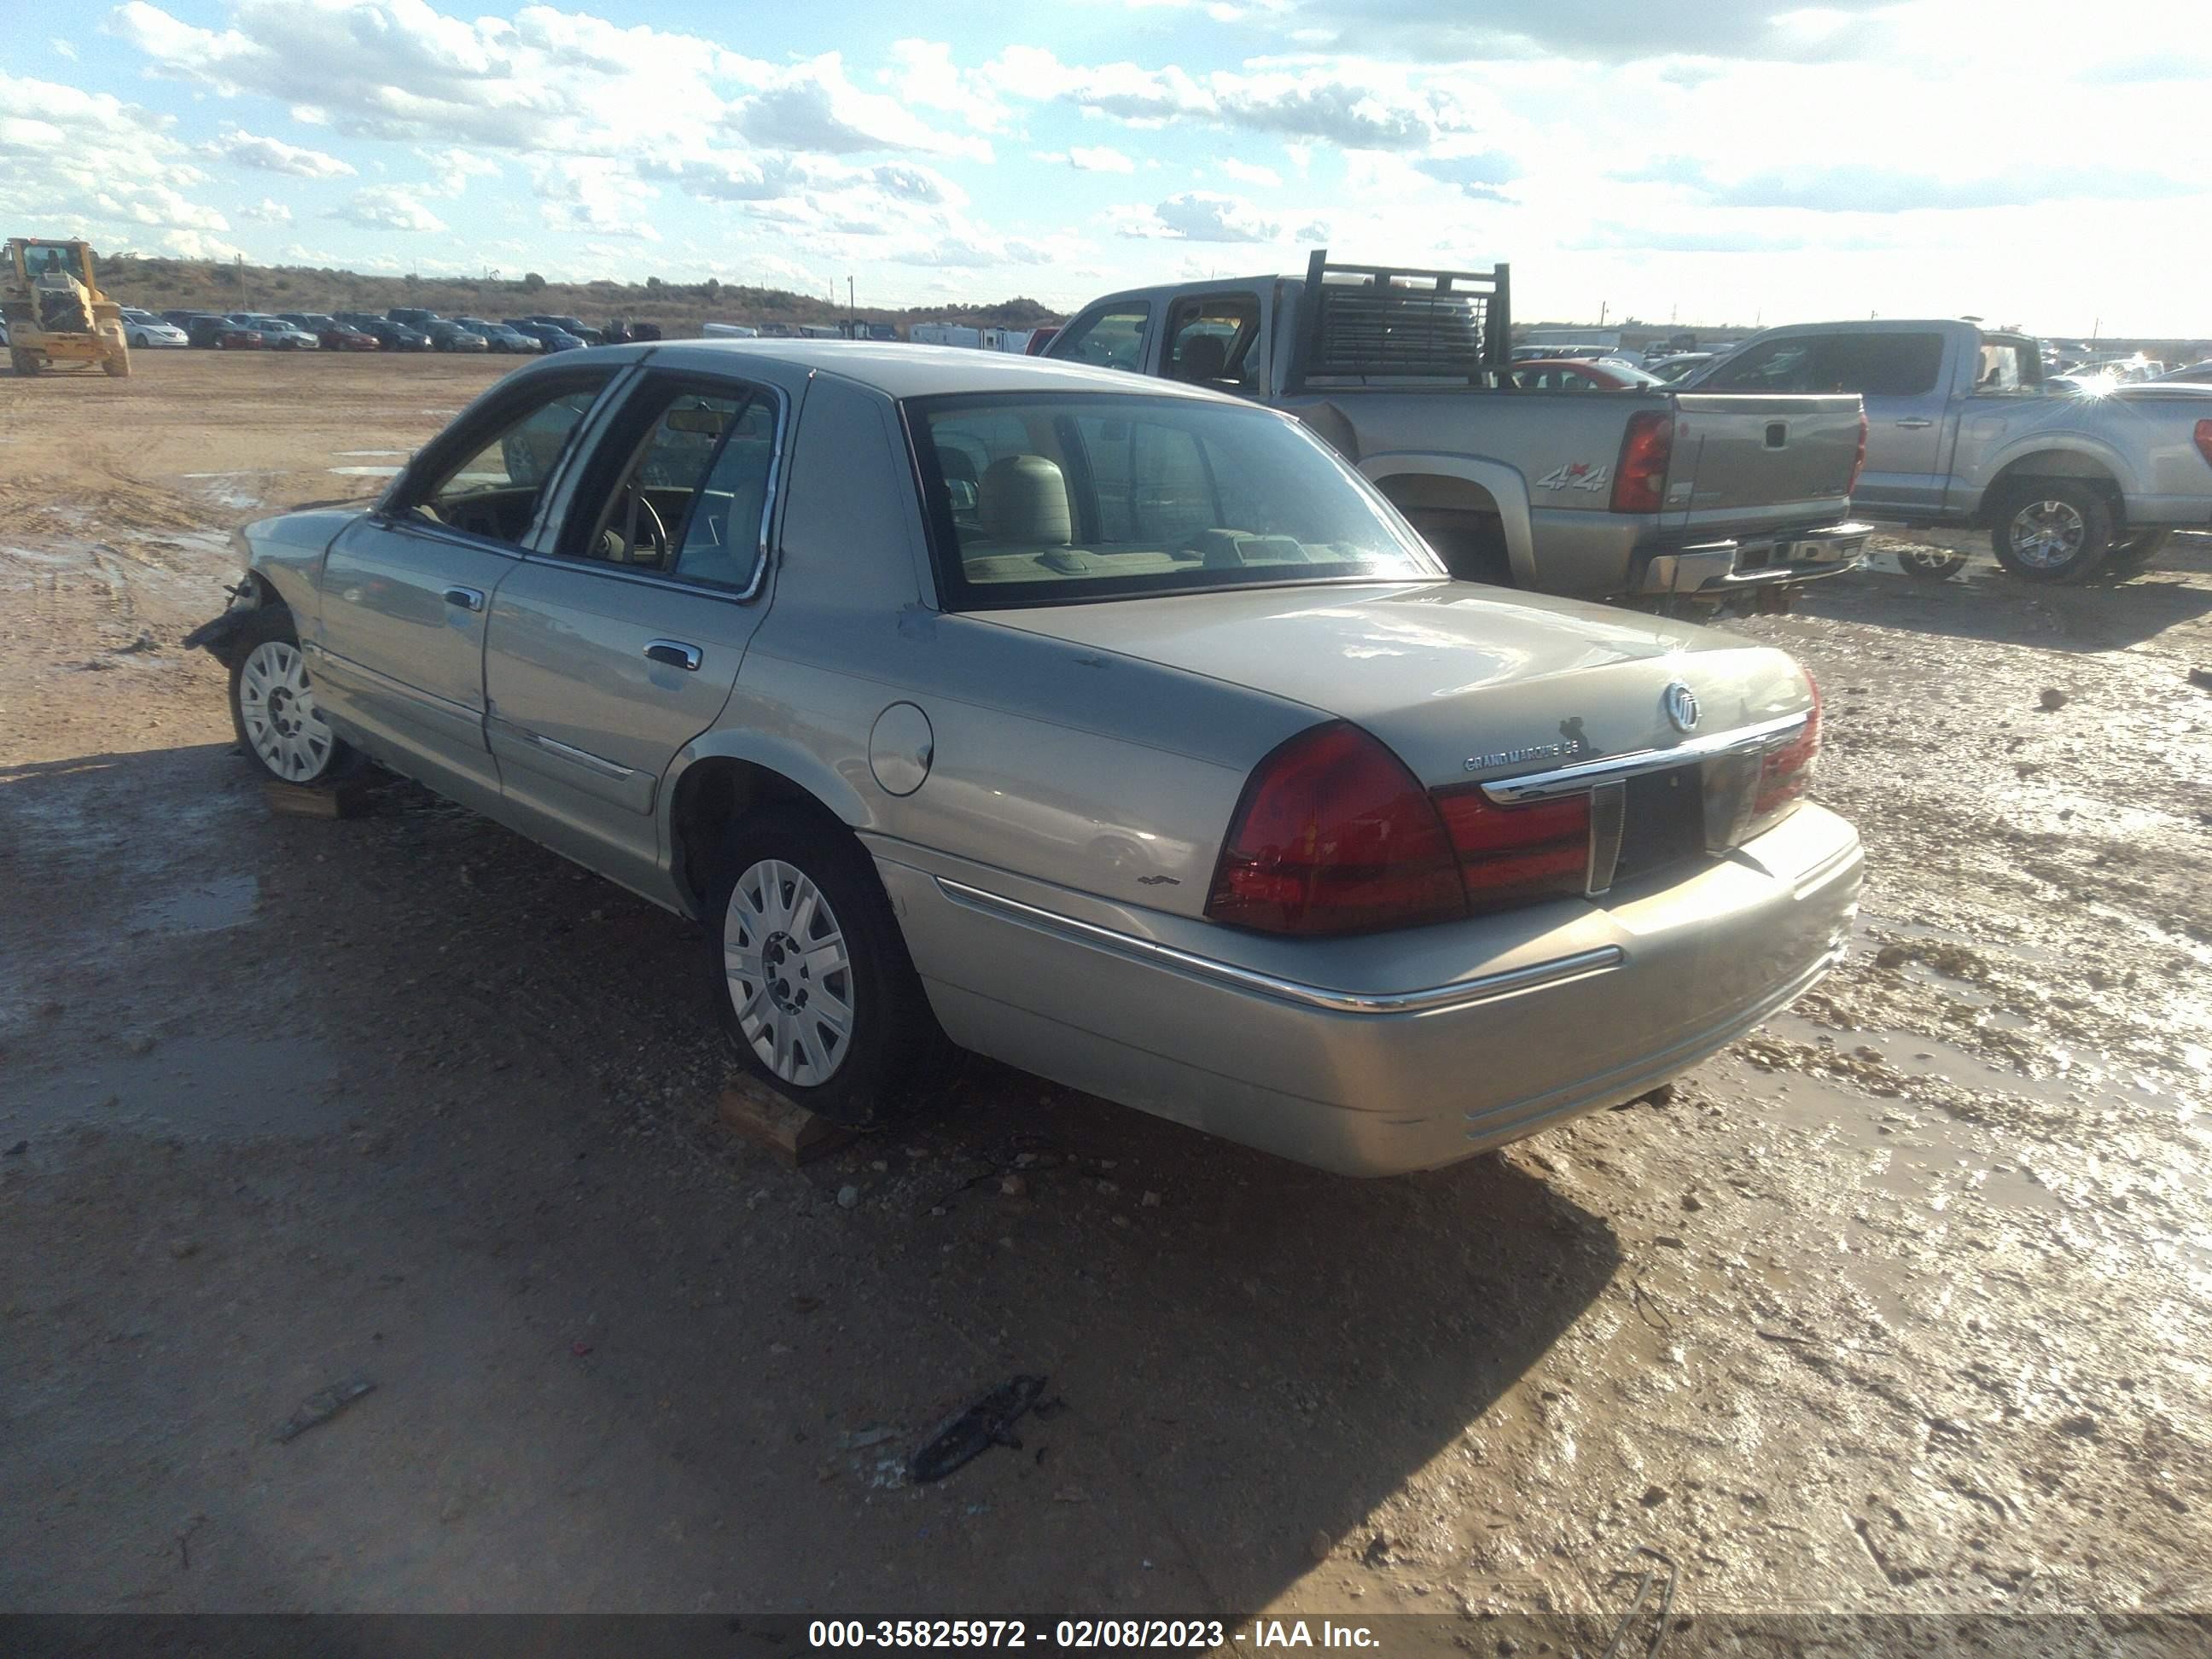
[1640, 495]
[1963, 431]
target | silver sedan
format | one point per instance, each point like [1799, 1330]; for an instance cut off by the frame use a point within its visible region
[1113, 729]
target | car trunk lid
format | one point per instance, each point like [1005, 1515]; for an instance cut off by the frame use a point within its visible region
[1465, 683]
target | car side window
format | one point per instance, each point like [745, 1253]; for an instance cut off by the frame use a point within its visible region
[493, 488]
[1111, 338]
[688, 495]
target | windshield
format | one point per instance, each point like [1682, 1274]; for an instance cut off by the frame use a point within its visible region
[1059, 498]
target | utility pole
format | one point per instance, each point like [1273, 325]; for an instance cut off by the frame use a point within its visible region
[1602, 307]
[243, 303]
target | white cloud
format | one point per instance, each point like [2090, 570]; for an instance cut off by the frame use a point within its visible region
[1200, 216]
[589, 193]
[1099, 158]
[158, 206]
[64, 48]
[386, 207]
[1247, 173]
[452, 169]
[266, 211]
[274, 156]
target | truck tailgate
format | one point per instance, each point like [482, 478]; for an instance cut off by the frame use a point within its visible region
[1743, 460]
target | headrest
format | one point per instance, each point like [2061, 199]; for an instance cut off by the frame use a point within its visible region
[1023, 498]
[1205, 357]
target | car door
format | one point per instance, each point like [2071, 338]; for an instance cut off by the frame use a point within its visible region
[397, 650]
[618, 643]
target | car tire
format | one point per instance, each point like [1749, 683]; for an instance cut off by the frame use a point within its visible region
[272, 707]
[2132, 555]
[2058, 530]
[849, 1035]
[1931, 564]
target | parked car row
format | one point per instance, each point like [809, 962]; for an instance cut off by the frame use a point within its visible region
[403, 328]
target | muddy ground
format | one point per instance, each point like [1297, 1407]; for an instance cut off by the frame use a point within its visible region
[1899, 1304]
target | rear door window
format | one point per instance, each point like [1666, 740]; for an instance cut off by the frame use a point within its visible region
[1872, 365]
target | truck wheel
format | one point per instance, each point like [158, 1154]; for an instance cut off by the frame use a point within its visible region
[2133, 555]
[2059, 531]
[1931, 564]
[25, 363]
[812, 980]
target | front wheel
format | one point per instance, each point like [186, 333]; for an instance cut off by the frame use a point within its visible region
[25, 363]
[2059, 531]
[272, 705]
[812, 982]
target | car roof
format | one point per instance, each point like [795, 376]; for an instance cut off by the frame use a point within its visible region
[898, 370]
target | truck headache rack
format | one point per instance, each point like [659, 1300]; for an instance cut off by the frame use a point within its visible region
[1397, 321]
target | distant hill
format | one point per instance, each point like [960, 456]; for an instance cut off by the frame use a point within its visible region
[164, 284]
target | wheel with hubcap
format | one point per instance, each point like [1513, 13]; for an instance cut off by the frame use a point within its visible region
[272, 705]
[2057, 531]
[1931, 564]
[813, 985]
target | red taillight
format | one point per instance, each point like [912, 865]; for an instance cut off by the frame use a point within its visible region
[1858, 461]
[1786, 772]
[1639, 483]
[2204, 438]
[1515, 854]
[1335, 835]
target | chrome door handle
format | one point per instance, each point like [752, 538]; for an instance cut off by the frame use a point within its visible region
[674, 652]
[1915, 422]
[468, 598]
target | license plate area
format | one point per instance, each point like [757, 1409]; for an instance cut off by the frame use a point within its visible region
[1662, 821]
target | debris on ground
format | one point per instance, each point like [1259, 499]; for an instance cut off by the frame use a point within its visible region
[318, 1407]
[2201, 678]
[990, 1422]
[2052, 699]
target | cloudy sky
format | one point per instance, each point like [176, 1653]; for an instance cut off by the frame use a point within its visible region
[2030, 161]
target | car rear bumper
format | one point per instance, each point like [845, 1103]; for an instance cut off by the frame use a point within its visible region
[1719, 568]
[1386, 1053]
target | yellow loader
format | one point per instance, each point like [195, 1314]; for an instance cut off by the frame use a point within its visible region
[55, 311]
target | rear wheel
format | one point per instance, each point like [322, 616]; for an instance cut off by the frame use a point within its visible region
[25, 363]
[2057, 531]
[272, 705]
[812, 982]
[1475, 554]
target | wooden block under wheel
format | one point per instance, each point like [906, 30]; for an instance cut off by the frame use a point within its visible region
[790, 1131]
[340, 801]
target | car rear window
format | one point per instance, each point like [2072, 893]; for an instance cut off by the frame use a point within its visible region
[1055, 498]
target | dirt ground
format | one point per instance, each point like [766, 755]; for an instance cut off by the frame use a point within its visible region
[1901, 1303]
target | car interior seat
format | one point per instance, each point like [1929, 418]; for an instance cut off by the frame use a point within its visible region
[1205, 357]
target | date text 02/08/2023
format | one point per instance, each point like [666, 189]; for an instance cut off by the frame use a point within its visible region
[1196, 1635]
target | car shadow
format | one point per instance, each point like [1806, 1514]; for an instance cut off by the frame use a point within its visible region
[623, 1359]
[1984, 603]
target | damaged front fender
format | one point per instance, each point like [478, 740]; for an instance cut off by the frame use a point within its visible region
[218, 636]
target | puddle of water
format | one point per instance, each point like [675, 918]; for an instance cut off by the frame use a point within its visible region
[2017, 949]
[227, 489]
[366, 471]
[202, 1087]
[207, 906]
[369, 454]
[1915, 1154]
